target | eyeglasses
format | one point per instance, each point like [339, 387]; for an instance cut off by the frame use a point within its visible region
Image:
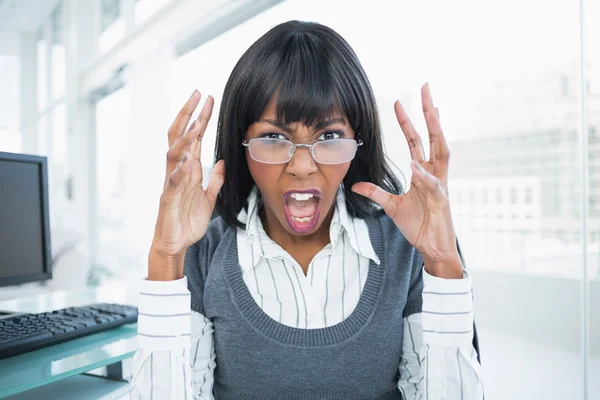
[280, 151]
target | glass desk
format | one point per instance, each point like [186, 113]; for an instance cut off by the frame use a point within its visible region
[48, 365]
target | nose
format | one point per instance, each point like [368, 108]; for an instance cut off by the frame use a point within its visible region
[302, 164]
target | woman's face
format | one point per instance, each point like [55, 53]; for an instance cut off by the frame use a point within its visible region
[286, 189]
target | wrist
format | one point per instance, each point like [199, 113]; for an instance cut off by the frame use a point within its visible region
[446, 269]
[164, 267]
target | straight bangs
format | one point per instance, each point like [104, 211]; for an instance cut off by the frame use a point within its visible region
[308, 83]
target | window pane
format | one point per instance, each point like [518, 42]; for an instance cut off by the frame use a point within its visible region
[59, 135]
[42, 71]
[10, 137]
[58, 162]
[43, 136]
[113, 26]
[144, 9]
[112, 124]
[10, 140]
[592, 40]
[58, 53]
[110, 12]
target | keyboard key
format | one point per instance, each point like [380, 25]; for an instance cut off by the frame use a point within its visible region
[32, 331]
[30, 338]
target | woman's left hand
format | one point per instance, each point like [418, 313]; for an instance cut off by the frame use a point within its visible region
[423, 213]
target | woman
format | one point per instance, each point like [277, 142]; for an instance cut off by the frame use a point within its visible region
[320, 279]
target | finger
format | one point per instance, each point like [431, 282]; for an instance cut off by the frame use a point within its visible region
[440, 175]
[413, 139]
[181, 145]
[373, 192]
[202, 120]
[430, 183]
[216, 180]
[183, 117]
[174, 179]
[439, 153]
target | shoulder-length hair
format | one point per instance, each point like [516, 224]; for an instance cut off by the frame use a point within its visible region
[314, 72]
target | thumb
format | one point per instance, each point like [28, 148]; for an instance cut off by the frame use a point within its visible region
[217, 177]
[377, 195]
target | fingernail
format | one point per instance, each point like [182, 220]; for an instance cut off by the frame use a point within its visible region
[193, 93]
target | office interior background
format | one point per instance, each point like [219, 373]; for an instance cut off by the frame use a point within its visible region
[94, 84]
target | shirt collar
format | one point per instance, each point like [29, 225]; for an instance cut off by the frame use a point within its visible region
[262, 246]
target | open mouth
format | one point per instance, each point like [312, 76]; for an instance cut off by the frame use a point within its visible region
[302, 209]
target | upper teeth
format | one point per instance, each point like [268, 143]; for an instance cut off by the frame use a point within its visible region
[301, 196]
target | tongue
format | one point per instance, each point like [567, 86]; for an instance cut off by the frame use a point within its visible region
[301, 209]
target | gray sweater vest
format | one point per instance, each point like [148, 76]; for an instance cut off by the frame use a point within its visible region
[259, 358]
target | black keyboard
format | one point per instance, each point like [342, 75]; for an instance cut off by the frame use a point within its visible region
[28, 332]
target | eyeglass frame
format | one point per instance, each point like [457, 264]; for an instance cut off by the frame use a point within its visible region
[311, 147]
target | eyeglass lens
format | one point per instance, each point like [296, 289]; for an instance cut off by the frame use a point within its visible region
[275, 151]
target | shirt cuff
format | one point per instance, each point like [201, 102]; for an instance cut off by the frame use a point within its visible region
[164, 321]
[447, 310]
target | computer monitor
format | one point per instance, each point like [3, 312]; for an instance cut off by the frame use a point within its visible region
[25, 254]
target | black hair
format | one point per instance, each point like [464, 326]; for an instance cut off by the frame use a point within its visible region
[314, 72]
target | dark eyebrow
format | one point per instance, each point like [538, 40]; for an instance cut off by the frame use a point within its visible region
[276, 123]
[325, 123]
[320, 125]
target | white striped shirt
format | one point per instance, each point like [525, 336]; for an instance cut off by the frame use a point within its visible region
[177, 358]
[335, 277]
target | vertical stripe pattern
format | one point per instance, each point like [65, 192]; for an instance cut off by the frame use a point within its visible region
[185, 382]
[313, 296]
[276, 290]
[151, 375]
[459, 373]
[286, 269]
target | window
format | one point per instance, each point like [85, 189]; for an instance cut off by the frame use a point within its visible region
[42, 70]
[112, 124]
[110, 13]
[528, 195]
[43, 136]
[59, 134]
[10, 136]
[144, 9]
[58, 53]
[113, 26]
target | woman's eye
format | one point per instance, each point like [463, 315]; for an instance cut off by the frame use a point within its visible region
[329, 136]
[273, 135]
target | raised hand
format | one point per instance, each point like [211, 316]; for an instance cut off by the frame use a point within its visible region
[185, 207]
[423, 213]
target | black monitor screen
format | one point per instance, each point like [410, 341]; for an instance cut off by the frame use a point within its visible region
[24, 241]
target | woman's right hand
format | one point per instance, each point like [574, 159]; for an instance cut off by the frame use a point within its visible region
[185, 207]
